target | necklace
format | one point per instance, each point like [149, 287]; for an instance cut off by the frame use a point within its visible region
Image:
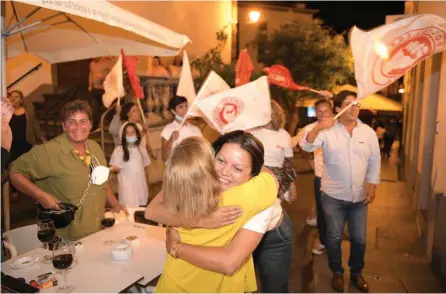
[86, 159]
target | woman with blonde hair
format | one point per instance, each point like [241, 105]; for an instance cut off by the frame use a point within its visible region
[192, 196]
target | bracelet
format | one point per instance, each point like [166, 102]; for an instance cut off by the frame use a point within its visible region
[174, 250]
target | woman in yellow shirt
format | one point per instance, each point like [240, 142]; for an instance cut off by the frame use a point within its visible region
[190, 196]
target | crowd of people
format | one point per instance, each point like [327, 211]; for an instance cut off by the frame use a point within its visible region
[221, 202]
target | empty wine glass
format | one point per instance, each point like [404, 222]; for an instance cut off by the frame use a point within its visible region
[46, 232]
[108, 220]
[63, 256]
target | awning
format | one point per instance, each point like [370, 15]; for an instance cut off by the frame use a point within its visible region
[61, 31]
[374, 102]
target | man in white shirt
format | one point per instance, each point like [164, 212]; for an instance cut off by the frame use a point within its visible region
[349, 180]
[323, 110]
[172, 134]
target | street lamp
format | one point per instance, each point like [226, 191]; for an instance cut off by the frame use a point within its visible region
[254, 16]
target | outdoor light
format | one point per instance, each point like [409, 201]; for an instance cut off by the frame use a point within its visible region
[254, 16]
[381, 50]
[401, 90]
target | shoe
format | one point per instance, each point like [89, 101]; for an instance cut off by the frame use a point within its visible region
[312, 222]
[359, 282]
[337, 283]
[318, 249]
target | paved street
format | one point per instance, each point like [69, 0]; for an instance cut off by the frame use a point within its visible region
[395, 261]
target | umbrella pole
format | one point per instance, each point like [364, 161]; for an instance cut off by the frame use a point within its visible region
[3, 47]
[5, 188]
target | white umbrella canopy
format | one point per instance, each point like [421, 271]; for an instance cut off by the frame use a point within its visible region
[61, 31]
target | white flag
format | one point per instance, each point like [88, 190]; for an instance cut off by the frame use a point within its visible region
[212, 85]
[384, 54]
[186, 85]
[113, 84]
[241, 108]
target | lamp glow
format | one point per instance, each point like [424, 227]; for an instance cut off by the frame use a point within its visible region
[254, 16]
[401, 90]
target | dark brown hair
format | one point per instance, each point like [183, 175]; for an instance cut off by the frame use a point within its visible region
[247, 142]
[75, 106]
[125, 146]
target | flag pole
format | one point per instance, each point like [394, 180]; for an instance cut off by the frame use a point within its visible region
[345, 109]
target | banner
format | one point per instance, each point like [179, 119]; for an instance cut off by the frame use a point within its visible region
[212, 85]
[130, 65]
[384, 54]
[113, 84]
[241, 108]
[186, 86]
[243, 68]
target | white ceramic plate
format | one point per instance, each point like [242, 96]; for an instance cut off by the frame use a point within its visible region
[24, 262]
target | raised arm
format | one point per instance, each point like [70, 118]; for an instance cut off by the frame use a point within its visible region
[226, 260]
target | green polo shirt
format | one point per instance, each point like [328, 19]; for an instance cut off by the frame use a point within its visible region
[55, 168]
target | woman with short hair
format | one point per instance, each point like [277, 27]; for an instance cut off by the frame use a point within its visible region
[60, 171]
[24, 125]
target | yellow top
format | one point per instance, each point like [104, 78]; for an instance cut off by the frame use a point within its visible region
[180, 276]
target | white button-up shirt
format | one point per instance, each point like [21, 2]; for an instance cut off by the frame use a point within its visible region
[318, 156]
[350, 161]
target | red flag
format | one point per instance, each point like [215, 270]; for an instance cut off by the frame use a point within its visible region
[243, 69]
[130, 64]
[280, 75]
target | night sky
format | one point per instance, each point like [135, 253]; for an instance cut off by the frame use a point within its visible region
[343, 15]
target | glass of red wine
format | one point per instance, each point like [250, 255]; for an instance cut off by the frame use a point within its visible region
[108, 220]
[63, 256]
[46, 232]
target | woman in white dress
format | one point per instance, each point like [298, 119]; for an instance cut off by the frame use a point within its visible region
[129, 160]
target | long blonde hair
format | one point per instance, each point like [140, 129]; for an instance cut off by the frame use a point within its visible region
[190, 183]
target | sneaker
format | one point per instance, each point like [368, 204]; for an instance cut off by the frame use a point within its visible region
[318, 249]
[312, 222]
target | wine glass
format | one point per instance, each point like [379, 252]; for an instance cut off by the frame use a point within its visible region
[46, 232]
[108, 220]
[63, 256]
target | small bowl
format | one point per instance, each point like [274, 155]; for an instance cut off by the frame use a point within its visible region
[24, 262]
[133, 240]
[121, 251]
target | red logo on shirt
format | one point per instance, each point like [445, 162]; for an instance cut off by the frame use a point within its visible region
[227, 111]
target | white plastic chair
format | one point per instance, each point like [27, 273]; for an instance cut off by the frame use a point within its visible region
[21, 240]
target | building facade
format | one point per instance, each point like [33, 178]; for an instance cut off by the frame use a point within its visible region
[424, 158]
[273, 15]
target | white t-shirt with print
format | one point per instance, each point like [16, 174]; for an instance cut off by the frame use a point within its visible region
[188, 130]
[277, 145]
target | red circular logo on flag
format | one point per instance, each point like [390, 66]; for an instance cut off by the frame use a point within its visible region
[227, 111]
[405, 51]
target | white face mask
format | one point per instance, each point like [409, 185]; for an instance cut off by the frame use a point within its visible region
[131, 140]
[179, 117]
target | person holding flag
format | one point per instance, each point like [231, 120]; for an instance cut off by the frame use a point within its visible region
[174, 132]
[350, 177]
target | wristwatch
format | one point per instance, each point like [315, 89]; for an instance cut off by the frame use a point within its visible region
[174, 250]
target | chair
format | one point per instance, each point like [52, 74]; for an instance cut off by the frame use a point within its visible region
[21, 240]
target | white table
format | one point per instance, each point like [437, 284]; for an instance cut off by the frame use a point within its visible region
[95, 271]
[147, 260]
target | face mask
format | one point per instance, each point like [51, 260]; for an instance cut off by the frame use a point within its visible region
[131, 140]
[179, 117]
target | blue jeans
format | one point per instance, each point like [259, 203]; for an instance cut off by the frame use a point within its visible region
[321, 223]
[337, 212]
[272, 258]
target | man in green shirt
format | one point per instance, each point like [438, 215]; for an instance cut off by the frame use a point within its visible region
[59, 171]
